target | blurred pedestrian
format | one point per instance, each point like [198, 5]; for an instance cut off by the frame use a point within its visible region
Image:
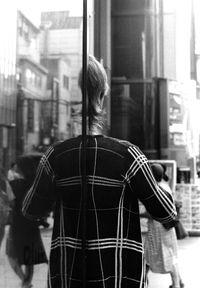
[6, 201]
[161, 251]
[24, 244]
[118, 175]
[12, 173]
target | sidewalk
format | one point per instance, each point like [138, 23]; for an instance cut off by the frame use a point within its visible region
[189, 255]
[8, 278]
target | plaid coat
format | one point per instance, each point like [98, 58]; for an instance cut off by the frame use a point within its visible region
[118, 175]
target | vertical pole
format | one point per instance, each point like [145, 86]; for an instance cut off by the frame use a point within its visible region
[84, 143]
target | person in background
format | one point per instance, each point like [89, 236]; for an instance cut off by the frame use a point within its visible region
[12, 173]
[24, 246]
[161, 251]
[6, 202]
[118, 176]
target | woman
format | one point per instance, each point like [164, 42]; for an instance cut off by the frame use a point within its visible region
[24, 243]
[118, 174]
[161, 251]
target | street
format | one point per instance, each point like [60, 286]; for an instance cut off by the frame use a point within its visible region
[189, 255]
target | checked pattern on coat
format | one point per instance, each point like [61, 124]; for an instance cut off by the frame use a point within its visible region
[118, 176]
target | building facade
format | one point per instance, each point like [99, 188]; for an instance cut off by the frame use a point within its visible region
[148, 46]
[32, 93]
[31, 86]
[59, 69]
[61, 39]
[134, 64]
[7, 87]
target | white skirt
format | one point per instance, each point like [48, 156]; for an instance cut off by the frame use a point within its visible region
[160, 247]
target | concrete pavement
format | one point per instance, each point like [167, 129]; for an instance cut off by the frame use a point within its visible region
[189, 257]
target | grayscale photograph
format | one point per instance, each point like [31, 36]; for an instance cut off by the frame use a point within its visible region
[99, 143]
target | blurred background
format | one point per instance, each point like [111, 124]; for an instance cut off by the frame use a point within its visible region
[151, 52]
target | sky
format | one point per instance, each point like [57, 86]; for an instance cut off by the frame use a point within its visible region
[32, 9]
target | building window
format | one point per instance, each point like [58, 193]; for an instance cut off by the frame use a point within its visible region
[20, 23]
[19, 77]
[25, 31]
[28, 74]
[33, 78]
[30, 120]
[38, 80]
[65, 82]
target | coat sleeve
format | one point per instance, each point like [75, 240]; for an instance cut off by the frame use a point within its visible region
[40, 198]
[158, 202]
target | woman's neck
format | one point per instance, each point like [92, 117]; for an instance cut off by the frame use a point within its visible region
[94, 130]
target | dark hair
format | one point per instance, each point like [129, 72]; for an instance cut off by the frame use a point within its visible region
[165, 177]
[12, 165]
[27, 164]
[97, 88]
[157, 171]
